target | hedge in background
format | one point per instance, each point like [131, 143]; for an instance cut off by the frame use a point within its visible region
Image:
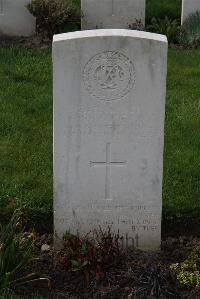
[162, 8]
[54, 15]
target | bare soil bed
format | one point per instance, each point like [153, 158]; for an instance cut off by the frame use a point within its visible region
[35, 42]
[134, 274]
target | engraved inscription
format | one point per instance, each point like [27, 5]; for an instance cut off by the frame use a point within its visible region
[109, 76]
[141, 221]
[108, 163]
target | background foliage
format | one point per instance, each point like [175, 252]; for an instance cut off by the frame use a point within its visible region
[190, 35]
[54, 16]
[162, 8]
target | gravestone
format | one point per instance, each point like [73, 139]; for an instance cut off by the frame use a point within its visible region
[109, 108]
[189, 7]
[15, 19]
[98, 14]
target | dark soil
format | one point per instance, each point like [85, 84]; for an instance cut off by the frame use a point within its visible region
[34, 42]
[126, 278]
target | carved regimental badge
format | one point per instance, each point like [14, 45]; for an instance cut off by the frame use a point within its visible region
[109, 76]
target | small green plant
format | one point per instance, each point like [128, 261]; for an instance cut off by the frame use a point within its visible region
[89, 255]
[15, 254]
[188, 272]
[166, 26]
[190, 31]
[53, 16]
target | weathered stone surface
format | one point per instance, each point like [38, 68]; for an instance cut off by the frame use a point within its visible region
[109, 108]
[15, 19]
[188, 7]
[112, 13]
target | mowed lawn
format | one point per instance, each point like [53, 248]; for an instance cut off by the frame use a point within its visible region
[26, 134]
[26, 130]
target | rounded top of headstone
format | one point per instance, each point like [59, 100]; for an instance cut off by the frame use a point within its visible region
[109, 32]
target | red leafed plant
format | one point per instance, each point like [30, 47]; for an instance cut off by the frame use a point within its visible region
[109, 245]
[90, 255]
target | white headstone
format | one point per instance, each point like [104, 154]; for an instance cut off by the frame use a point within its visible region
[15, 19]
[189, 7]
[109, 108]
[100, 14]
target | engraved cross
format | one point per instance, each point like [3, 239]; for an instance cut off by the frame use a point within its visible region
[108, 164]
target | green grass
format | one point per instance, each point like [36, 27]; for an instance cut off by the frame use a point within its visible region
[182, 141]
[26, 134]
[26, 130]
